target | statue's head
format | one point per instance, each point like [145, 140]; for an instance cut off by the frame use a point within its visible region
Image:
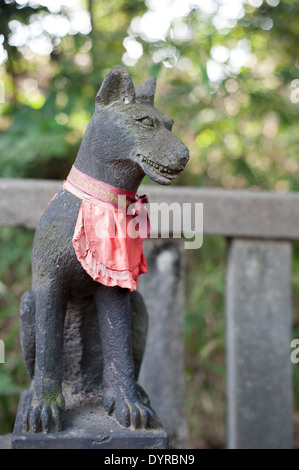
[127, 131]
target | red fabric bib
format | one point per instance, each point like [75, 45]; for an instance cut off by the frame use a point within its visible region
[106, 239]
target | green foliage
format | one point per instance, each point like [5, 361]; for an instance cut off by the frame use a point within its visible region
[205, 340]
[28, 147]
[15, 267]
[10, 11]
[242, 128]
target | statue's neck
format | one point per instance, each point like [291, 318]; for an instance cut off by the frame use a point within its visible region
[121, 174]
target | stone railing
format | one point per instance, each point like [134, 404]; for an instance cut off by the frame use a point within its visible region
[260, 227]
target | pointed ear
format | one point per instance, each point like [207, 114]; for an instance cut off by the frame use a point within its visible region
[145, 92]
[117, 86]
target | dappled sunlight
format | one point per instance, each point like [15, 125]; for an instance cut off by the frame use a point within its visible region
[39, 33]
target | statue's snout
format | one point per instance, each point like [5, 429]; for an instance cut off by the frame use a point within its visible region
[184, 156]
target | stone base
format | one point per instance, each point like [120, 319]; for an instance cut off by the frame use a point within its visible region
[5, 441]
[87, 426]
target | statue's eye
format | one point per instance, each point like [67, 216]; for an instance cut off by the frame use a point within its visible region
[146, 121]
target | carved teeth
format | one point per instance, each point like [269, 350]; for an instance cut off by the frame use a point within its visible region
[161, 168]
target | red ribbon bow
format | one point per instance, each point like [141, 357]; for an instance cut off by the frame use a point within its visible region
[141, 212]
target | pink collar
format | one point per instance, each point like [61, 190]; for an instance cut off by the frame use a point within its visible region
[103, 191]
[119, 198]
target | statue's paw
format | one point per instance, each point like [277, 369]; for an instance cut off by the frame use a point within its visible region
[143, 396]
[128, 411]
[44, 414]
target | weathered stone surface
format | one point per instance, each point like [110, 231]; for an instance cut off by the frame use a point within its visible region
[87, 426]
[258, 344]
[162, 371]
[5, 441]
[22, 201]
[78, 274]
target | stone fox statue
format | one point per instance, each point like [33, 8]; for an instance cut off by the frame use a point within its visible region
[84, 325]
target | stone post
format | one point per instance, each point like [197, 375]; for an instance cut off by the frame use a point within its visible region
[258, 305]
[162, 371]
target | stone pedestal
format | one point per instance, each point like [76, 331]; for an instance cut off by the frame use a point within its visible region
[87, 426]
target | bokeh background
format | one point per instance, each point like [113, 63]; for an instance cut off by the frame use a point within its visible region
[228, 74]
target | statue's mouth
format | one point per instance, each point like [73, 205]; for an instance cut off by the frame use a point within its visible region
[158, 172]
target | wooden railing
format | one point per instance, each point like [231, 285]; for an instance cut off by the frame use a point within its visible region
[260, 227]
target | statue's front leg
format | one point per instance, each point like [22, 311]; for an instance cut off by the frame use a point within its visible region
[120, 392]
[45, 411]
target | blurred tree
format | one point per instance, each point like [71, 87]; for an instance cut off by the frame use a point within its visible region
[230, 97]
[49, 98]
[232, 67]
[229, 94]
